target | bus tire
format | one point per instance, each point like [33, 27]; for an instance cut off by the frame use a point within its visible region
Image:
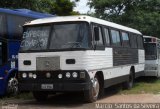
[40, 96]
[12, 86]
[92, 94]
[129, 84]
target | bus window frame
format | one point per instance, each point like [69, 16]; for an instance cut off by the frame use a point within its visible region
[129, 46]
[90, 37]
[119, 31]
[109, 36]
[97, 46]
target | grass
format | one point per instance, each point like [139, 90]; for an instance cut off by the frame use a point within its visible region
[143, 85]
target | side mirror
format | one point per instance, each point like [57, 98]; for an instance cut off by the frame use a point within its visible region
[96, 33]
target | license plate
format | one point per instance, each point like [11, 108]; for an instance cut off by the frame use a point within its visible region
[47, 86]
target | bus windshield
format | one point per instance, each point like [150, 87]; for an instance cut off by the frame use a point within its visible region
[150, 51]
[57, 36]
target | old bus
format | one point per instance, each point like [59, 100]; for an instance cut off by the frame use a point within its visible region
[78, 53]
[152, 56]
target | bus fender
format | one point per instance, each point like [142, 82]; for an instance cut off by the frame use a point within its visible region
[12, 72]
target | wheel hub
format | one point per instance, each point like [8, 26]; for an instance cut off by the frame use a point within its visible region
[95, 87]
[13, 86]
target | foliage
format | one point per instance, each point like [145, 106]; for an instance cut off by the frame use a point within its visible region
[143, 15]
[58, 7]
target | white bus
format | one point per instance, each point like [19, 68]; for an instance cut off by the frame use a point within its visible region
[78, 53]
[152, 56]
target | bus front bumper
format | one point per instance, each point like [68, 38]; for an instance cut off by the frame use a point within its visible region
[58, 87]
[54, 83]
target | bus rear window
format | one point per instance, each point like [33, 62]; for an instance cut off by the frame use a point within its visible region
[150, 51]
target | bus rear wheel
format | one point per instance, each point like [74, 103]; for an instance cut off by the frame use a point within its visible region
[40, 96]
[92, 94]
[129, 84]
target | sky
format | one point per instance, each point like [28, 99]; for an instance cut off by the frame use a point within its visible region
[81, 6]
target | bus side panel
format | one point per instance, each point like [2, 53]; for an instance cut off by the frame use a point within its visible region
[124, 56]
[141, 61]
[141, 57]
[2, 85]
[116, 75]
[13, 47]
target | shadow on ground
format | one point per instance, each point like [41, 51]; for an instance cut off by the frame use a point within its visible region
[74, 100]
[71, 100]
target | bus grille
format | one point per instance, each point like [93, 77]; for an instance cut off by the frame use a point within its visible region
[47, 63]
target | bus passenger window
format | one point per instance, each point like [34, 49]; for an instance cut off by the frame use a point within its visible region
[106, 34]
[133, 41]
[140, 42]
[125, 39]
[100, 42]
[115, 38]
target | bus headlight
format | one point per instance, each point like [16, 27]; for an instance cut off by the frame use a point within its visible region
[75, 74]
[24, 75]
[59, 76]
[34, 76]
[30, 75]
[68, 75]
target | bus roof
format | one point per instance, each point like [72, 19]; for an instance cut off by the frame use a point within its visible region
[25, 13]
[150, 37]
[82, 18]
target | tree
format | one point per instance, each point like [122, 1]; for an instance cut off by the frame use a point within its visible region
[143, 15]
[58, 7]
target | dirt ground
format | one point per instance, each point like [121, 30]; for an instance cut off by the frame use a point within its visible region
[75, 101]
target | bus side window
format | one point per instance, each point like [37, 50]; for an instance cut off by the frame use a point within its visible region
[115, 35]
[133, 41]
[140, 42]
[100, 42]
[125, 39]
[106, 35]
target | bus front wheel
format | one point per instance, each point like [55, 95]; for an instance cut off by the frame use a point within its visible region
[12, 86]
[91, 95]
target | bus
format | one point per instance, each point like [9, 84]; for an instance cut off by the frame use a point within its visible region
[78, 54]
[152, 56]
[11, 22]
